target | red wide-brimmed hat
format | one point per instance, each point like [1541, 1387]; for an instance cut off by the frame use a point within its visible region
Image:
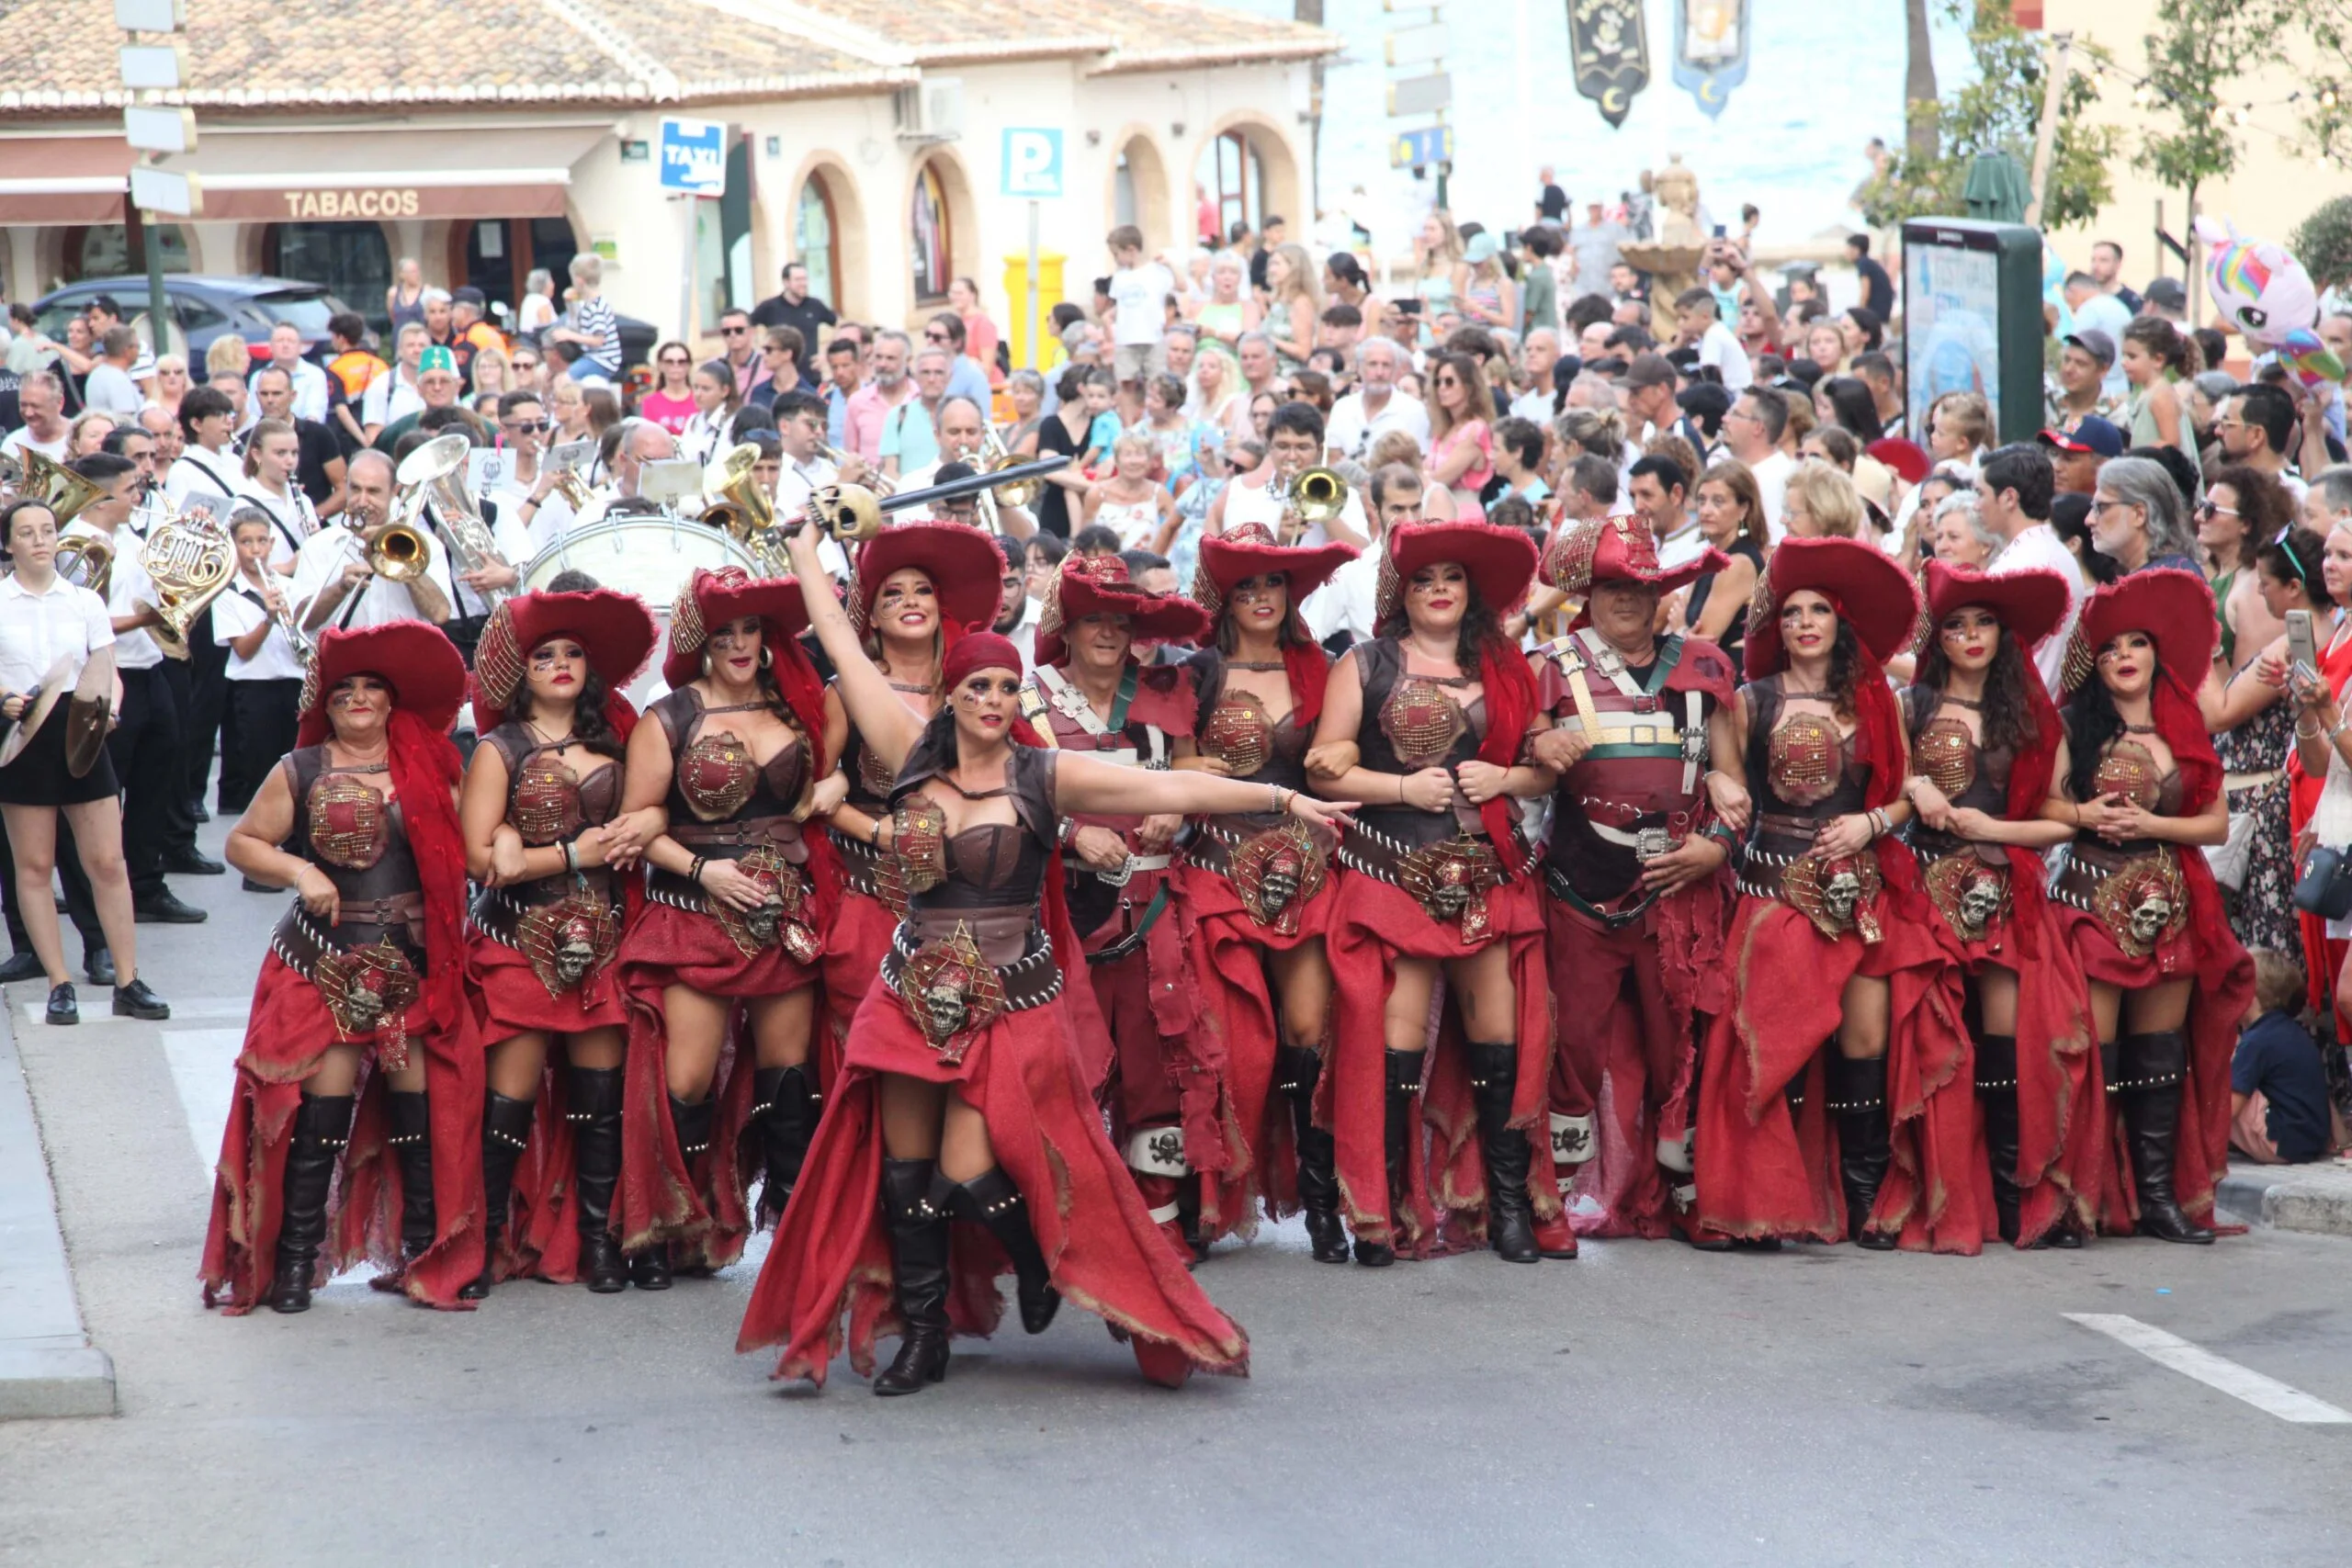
[1501, 561]
[1619, 550]
[1249, 551]
[422, 667]
[616, 628]
[715, 598]
[1907, 457]
[1870, 593]
[1151, 617]
[2028, 604]
[2173, 607]
[965, 568]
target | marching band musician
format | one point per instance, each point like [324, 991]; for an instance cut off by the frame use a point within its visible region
[510, 541]
[1294, 445]
[335, 583]
[265, 672]
[633, 443]
[963, 442]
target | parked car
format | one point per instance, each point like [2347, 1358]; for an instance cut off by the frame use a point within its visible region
[203, 308]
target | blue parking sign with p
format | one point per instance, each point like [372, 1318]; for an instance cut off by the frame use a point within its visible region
[1033, 163]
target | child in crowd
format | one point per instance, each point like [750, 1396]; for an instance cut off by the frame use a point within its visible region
[2280, 1112]
[264, 673]
[1180, 537]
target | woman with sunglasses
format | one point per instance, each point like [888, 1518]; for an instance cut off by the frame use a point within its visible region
[2169, 983]
[739, 895]
[965, 1096]
[2254, 723]
[671, 404]
[1462, 442]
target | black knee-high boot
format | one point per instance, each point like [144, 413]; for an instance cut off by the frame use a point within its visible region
[991, 1201]
[2155, 1071]
[914, 1201]
[650, 1267]
[1404, 1078]
[1511, 1216]
[505, 1133]
[1996, 1091]
[1296, 1070]
[412, 1142]
[786, 1106]
[1857, 1096]
[593, 1106]
[321, 1125]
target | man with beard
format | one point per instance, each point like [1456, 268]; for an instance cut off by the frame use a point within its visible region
[1639, 898]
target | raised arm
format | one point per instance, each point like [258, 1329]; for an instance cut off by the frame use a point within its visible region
[1081, 783]
[884, 722]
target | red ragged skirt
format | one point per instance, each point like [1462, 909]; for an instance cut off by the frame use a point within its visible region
[288, 1032]
[828, 1279]
[1242, 1146]
[1445, 1205]
[699, 1209]
[854, 944]
[542, 1237]
[1761, 1176]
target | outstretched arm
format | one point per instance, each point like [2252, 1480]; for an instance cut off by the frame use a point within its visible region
[1081, 784]
[883, 721]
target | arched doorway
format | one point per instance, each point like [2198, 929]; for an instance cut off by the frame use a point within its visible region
[817, 236]
[103, 250]
[933, 243]
[1245, 170]
[1139, 190]
[351, 261]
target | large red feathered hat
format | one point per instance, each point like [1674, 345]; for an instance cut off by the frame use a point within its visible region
[1619, 550]
[1869, 592]
[616, 628]
[1099, 587]
[1501, 561]
[2174, 608]
[1250, 550]
[715, 598]
[2028, 604]
[965, 568]
[422, 667]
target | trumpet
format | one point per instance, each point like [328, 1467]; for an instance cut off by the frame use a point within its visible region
[1314, 497]
[305, 652]
[565, 463]
[436, 470]
[875, 484]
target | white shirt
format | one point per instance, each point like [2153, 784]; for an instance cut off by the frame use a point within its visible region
[1351, 433]
[1247, 502]
[237, 612]
[1719, 346]
[1140, 295]
[1533, 405]
[294, 517]
[21, 440]
[198, 471]
[1349, 602]
[797, 481]
[1772, 488]
[37, 629]
[2040, 547]
[703, 433]
[324, 555]
[388, 398]
[508, 536]
[109, 389]
[128, 585]
[310, 387]
[1687, 543]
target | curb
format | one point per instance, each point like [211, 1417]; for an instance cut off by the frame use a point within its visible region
[2314, 1199]
[47, 1365]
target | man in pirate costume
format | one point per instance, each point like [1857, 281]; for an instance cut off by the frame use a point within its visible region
[1089, 693]
[1639, 896]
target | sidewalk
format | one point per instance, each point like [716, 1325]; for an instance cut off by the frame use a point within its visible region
[2315, 1198]
[47, 1365]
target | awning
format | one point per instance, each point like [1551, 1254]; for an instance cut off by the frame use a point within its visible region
[309, 174]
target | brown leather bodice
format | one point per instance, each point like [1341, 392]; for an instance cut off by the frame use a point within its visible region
[349, 830]
[548, 803]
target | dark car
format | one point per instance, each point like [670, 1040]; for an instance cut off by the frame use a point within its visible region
[203, 308]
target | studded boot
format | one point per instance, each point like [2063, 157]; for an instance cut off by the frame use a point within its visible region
[593, 1106]
[412, 1143]
[2156, 1069]
[1857, 1097]
[1404, 1074]
[505, 1133]
[1296, 1069]
[786, 1107]
[992, 1202]
[1996, 1093]
[1510, 1215]
[322, 1126]
[914, 1201]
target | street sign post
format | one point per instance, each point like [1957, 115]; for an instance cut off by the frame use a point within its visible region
[692, 157]
[1420, 149]
[154, 131]
[1032, 169]
[1418, 43]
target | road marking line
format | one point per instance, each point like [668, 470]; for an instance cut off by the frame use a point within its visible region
[2265, 1393]
[98, 1001]
[204, 1070]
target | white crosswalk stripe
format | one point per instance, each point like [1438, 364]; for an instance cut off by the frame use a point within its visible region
[2265, 1393]
[204, 1070]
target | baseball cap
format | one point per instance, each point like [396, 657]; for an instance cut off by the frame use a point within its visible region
[2093, 341]
[468, 295]
[2168, 292]
[1647, 370]
[1480, 250]
[437, 357]
[2094, 435]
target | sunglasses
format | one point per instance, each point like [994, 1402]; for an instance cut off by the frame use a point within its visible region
[934, 337]
[520, 426]
[2207, 509]
[675, 359]
[734, 331]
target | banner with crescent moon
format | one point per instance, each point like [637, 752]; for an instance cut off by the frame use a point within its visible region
[1611, 49]
[1710, 49]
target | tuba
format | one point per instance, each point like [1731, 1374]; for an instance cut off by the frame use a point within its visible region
[86, 561]
[192, 561]
[743, 511]
[437, 471]
[55, 486]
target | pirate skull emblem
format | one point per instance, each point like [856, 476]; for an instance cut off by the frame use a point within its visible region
[945, 1007]
[364, 1003]
[1449, 896]
[762, 918]
[1279, 883]
[575, 953]
[1841, 894]
[2150, 916]
[1979, 903]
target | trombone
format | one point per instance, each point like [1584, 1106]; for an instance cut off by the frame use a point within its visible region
[996, 458]
[876, 484]
[401, 552]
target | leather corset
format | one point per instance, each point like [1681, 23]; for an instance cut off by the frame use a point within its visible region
[713, 777]
[548, 803]
[996, 865]
[360, 843]
[1394, 737]
[1947, 756]
[1798, 768]
[2130, 769]
[1232, 727]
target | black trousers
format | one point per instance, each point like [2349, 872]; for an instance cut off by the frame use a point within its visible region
[208, 692]
[147, 754]
[80, 907]
[179, 811]
[256, 730]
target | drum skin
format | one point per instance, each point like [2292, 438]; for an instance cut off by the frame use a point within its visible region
[653, 557]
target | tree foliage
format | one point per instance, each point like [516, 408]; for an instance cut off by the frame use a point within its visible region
[2323, 244]
[2000, 111]
[2196, 56]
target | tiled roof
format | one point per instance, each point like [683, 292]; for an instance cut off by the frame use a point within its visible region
[59, 55]
[1128, 34]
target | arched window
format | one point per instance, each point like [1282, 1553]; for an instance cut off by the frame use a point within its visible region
[815, 239]
[350, 261]
[103, 250]
[1234, 176]
[934, 248]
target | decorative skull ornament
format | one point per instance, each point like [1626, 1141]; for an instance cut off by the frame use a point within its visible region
[943, 1008]
[1841, 894]
[1450, 894]
[1979, 903]
[762, 918]
[1278, 883]
[2150, 916]
[576, 953]
[363, 1006]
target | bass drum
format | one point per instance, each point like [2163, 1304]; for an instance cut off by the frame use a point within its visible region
[653, 557]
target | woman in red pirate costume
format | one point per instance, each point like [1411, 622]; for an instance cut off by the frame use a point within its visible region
[1088, 693]
[1639, 898]
[1426, 724]
[737, 896]
[1984, 748]
[1257, 892]
[918, 587]
[2168, 982]
[541, 794]
[1836, 976]
[360, 999]
[963, 1095]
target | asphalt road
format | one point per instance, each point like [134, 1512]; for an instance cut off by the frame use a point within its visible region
[1641, 1405]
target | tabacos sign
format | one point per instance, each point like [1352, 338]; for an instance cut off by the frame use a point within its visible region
[334, 203]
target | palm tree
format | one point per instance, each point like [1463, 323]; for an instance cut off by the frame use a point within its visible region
[1918, 84]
